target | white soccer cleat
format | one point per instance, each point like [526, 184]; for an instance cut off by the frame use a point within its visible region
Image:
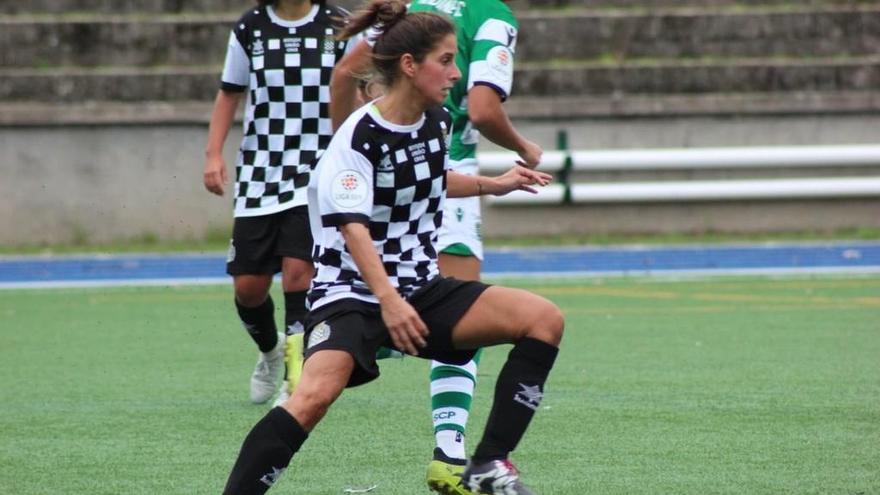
[267, 372]
[283, 394]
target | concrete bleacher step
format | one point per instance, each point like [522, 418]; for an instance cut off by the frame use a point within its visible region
[718, 76]
[550, 108]
[112, 40]
[670, 77]
[699, 33]
[166, 6]
[80, 61]
[677, 4]
[117, 7]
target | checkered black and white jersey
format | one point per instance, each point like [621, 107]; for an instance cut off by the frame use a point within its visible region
[285, 68]
[390, 178]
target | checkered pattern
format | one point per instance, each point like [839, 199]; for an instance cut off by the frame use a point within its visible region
[285, 68]
[391, 179]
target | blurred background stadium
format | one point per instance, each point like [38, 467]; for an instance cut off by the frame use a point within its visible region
[104, 107]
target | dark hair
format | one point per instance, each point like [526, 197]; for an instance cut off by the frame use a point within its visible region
[400, 33]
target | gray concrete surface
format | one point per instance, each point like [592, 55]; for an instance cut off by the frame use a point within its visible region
[108, 182]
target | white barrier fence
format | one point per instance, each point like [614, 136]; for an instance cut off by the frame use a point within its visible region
[566, 162]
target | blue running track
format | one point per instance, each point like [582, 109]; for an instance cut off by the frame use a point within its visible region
[832, 257]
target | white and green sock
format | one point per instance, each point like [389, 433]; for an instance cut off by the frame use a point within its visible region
[452, 391]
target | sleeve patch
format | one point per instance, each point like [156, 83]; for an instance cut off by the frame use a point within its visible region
[496, 69]
[501, 62]
[348, 189]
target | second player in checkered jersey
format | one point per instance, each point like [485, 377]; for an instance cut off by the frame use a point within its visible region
[279, 59]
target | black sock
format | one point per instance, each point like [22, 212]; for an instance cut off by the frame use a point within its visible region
[518, 393]
[265, 453]
[260, 323]
[294, 311]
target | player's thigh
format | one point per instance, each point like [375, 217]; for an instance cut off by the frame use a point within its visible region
[294, 246]
[504, 315]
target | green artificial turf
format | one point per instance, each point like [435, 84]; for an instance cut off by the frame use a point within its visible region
[733, 385]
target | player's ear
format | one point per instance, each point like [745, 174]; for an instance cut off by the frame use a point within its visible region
[408, 65]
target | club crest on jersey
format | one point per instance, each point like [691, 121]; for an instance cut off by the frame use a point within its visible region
[257, 47]
[320, 333]
[348, 189]
[385, 164]
[230, 254]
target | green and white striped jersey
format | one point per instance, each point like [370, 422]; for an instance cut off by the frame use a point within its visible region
[486, 31]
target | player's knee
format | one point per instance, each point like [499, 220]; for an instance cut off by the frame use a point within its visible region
[249, 298]
[308, 406]
[297, 280]
[548, 323]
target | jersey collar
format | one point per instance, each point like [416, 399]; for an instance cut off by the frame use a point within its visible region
[292, 24]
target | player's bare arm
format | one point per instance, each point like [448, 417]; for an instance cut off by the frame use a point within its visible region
[488, 116]
[516, 179]
[343, 82]
[215, 177]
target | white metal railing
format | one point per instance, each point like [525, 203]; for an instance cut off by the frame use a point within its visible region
[565, 162]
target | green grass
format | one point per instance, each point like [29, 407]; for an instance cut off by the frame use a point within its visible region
[745, 385]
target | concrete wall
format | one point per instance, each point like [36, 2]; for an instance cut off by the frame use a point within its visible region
[102, 183]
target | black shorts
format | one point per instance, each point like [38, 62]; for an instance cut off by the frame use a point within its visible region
[259, 243]
[356, 326]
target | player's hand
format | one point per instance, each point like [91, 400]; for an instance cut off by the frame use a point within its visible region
[517, 178]
[530, 155]
[215, 175]
[407, 329]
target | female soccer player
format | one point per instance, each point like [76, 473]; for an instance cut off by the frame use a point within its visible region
[280, 54]
[377, 198]
[486, 32]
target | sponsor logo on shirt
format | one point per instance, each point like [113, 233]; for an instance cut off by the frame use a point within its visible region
[258, 47]
[291, 45]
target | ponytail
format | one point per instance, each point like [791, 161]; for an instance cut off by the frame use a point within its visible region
[399, 33]
[381, 14]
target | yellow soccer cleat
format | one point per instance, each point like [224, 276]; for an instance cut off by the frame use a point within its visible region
[293, 363]
[293, 359]
[445, 478]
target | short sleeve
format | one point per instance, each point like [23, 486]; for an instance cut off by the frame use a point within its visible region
[492, 56]
[236, 69]
[345, 187]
